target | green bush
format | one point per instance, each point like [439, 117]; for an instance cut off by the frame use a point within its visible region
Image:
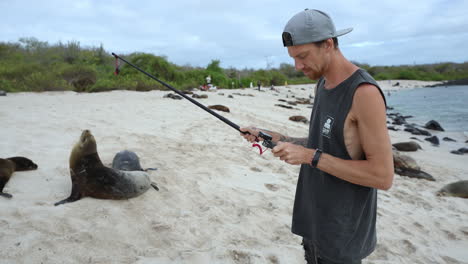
[81, 77]
[44, 81]
[6, 85]
[33, 65]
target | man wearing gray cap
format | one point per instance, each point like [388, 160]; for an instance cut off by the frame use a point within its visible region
[347, 155]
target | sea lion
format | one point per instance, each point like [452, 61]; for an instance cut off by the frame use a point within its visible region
[91, 178]
[10, 165]
[456, 189]
[128, 161]
[407, 146]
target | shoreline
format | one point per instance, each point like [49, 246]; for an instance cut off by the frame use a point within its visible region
[219, 200]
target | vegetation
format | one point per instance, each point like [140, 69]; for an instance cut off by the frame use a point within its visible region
[33, 65]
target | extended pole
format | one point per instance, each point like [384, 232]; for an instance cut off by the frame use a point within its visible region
[220, 117]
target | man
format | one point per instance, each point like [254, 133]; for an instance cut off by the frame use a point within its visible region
[347, 155]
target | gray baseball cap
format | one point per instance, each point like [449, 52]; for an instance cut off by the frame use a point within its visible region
[309, 26]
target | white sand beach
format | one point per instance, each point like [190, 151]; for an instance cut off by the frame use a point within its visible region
[219, 200]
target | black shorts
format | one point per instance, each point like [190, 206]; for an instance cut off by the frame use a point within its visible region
[312, 256]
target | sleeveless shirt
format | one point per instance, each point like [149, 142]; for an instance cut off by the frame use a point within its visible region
[337, 216]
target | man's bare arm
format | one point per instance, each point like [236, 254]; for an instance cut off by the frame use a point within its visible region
[279, 137]
[377, 170]
[275, 136]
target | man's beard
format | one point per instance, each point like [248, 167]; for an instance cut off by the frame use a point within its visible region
[314, 75]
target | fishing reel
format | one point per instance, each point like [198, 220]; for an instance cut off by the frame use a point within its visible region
[266, 140]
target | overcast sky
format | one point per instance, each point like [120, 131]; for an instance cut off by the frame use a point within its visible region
[244, 33]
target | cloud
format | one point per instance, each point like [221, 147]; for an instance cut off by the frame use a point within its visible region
[365, 44]
[243, 33]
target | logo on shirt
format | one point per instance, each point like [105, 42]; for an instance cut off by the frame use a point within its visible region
[327, 126]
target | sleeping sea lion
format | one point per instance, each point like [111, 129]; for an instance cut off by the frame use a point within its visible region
[128, 161]
[10, 165]
[455, 189]
[91, 178]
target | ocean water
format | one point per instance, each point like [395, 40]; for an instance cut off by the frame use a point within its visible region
[447, 105]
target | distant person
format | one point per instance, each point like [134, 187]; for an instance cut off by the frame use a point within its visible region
[259, 84]
[347, 155]
[208, 82]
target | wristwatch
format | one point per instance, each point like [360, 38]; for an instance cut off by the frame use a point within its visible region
[316, 158]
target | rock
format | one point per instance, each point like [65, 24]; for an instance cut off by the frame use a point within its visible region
[251, 95]
[298, 118]
[200, 96]
[416, 131]
[302, 101]
[173, 96]
[434, 140]
[407, 146]
[284, 106]
[463, 150]
[449, 139]
[399, 120]
[2, 93]
[415, 138]
[230, 96]
[460, 151]
[392, 128]
[434, 125]
[219, 108]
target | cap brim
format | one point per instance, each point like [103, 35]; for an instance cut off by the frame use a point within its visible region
[343, 31]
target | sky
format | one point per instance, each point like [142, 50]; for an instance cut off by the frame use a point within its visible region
[244, 33]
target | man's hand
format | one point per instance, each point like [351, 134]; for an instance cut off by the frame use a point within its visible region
[253, 136]
[292, 153]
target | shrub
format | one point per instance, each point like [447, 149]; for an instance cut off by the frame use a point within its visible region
[81, 77]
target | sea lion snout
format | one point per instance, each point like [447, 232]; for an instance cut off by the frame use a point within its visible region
[85, 135]
[23, 164]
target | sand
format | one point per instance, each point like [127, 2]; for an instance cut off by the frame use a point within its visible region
[219, 200]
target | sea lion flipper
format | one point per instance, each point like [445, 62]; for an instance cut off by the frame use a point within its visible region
[6, 195]
[74, 196]
[155, 186]
[68, 200]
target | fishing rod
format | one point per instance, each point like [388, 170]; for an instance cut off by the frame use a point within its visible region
[267, 139]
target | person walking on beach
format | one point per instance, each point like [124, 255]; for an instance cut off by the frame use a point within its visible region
[347, 155]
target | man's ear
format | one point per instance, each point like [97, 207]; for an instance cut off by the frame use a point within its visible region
[329, 44]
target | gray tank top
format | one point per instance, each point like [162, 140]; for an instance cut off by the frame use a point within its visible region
[337, 216]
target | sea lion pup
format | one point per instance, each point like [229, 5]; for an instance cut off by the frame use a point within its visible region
[10, 165]
[91, 178]
[128, 161]
[455, 189]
